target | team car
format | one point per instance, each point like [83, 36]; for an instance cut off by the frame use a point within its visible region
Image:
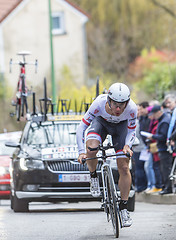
[5, 160]
[45, 166]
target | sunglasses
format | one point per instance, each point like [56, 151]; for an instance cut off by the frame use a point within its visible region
[117, 104]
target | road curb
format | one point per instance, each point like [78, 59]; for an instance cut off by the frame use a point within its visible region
[156, 198]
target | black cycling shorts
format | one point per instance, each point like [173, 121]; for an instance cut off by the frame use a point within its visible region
[100, 128]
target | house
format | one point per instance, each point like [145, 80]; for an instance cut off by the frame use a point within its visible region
[24, 25]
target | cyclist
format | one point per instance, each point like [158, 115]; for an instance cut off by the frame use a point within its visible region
[113, 113]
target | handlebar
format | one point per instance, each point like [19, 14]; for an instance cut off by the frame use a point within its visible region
[104, 157]
[23, 63]
[103, 149]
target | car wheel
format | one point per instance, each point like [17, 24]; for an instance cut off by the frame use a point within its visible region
[20, 205]
[131, 203]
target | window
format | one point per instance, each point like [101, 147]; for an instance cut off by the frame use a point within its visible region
[58, 23]
[58, 134]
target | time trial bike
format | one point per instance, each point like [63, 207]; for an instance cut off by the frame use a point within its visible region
[111, 198]
[22, 90]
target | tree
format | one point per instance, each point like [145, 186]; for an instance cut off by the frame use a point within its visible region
[69, 90]
[119, 29]
[155, 72]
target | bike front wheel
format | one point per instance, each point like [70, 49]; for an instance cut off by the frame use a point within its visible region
[112, 207]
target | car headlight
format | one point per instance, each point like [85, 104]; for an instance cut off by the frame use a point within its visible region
[31, 164]
[4, 170]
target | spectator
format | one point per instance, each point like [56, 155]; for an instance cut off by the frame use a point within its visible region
[148, 166]
[173, 143]
[161, 137]
[144, 122]
[172, 124]
[170, 102]
[155, 159]
[140, 175]
[153, 103]
[164, 108]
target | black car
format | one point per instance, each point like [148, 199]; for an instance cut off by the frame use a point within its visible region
[44, 166]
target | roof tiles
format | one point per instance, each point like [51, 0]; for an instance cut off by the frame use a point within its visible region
[7, 6]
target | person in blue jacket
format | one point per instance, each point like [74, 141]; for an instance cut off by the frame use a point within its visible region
[161, 138]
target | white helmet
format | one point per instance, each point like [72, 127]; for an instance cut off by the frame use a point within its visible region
[119, 92]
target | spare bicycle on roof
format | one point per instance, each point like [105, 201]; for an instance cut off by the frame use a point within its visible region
[46, 106]
[22, 90]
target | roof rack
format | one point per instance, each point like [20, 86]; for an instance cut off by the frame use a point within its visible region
[53, 112]
[62, 108]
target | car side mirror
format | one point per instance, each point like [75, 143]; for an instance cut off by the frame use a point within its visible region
[13, 144]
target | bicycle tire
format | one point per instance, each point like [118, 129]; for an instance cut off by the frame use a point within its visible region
[23, 84]
[22, 96]
[112, 203]
[18, 109]
[22, 106]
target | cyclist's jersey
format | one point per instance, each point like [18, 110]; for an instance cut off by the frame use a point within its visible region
[96, 109]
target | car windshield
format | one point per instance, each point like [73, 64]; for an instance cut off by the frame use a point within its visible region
[56, 133]
[5, 150]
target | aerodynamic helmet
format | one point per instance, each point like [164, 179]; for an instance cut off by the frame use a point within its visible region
[119, 92]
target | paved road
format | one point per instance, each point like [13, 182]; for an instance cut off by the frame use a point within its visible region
[84, 221]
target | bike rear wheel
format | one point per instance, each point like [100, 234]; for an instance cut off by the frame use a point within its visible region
[111, 203]
[18, 109]
[22, 106]
[23, 97]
